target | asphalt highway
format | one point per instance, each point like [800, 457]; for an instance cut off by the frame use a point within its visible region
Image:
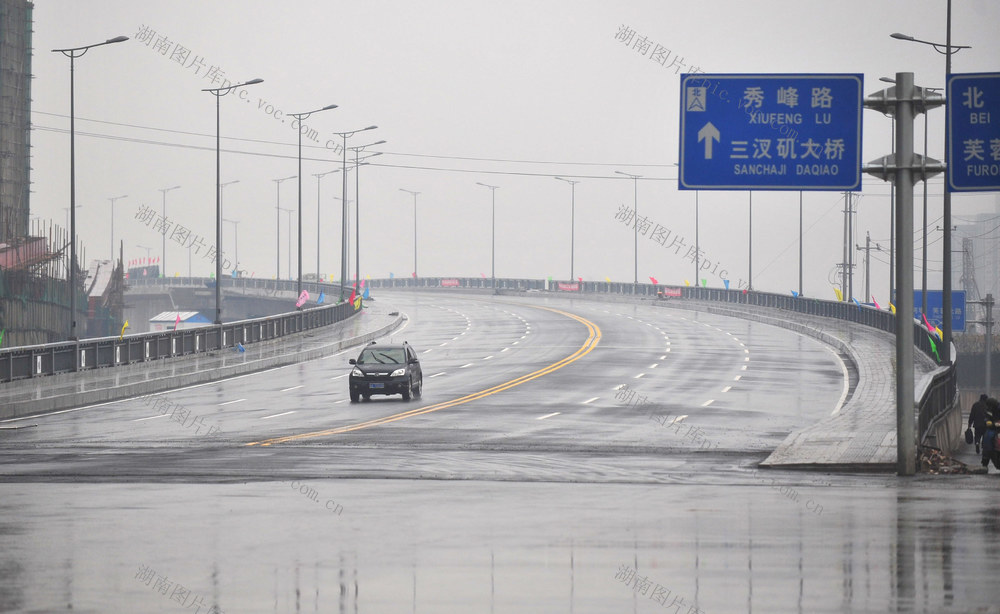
[562, 451]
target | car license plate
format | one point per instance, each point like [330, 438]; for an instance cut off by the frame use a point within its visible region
[376, 385]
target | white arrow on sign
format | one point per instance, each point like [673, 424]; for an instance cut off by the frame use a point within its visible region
[707, 133]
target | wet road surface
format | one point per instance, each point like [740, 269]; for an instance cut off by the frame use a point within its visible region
[566, 456]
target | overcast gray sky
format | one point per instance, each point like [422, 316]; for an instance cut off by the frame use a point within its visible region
[508, 93]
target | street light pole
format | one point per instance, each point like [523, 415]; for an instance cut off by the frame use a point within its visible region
[635, 210]
[113, 199]
[414, 233]
[948, 51]
[343, 203]
[277, 224]
[289, 211]
[219, 92]
[299, 117]
[493, 235]
[236, 240]
[319, 177]
[348, 234]
[72, 54]
[163, 241]
[572, 226]
[357, 201]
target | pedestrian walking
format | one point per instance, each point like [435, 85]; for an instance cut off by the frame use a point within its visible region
[977, 419]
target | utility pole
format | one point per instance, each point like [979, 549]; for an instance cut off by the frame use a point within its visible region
[867, 249]
[987, 304]
[847, 243]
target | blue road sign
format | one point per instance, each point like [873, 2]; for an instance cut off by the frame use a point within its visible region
[935, 308]
[771, 132]
[974, 132]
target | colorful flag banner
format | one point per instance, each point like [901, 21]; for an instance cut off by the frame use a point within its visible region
[124, 326]
[302, 299]
[366, 294]
[653, 279]
[856, 302]
[892, 308]
[607, 279]
[579, 279]
[930, 328]
[322, 296]
[934, 348]
[357, 302]
[795, 294]
[1, 335]
[177, 322]
[687, 283]
[704, 282]
[392, 275]
[726, 281]
[353, 295]
[877, 306]
[239, 347]
[840, 295]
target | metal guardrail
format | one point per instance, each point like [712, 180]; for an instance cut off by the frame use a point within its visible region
[87, 354]
[934, 400]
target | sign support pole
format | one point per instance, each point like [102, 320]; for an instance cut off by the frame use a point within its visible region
[906, 455]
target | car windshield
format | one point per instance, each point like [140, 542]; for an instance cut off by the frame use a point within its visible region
[382, 356]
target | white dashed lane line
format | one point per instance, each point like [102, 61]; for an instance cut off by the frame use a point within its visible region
[590, 400]
[150, 418]
[441, 373]
[231, 402]
[278, 415]
[708, 402]
[556, 413]
[466, 365]
[292, 388]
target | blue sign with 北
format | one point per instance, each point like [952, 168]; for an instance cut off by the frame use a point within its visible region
[974, 132]
[770, 132]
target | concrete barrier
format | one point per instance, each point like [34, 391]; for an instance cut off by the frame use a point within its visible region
[206, 369]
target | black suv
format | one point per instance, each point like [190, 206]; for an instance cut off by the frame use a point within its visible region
[386, 369]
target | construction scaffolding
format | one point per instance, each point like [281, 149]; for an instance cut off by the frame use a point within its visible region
[15, 118]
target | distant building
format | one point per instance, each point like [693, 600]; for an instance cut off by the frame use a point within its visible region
[15, 118]
[182, 320]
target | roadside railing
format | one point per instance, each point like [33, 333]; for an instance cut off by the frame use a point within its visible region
[87, 354]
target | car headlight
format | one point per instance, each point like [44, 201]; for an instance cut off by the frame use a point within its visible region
[357, 373]
[398, 373]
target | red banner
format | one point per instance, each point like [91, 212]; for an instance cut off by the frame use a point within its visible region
[449, 283]
[675, 292]
[573, 287]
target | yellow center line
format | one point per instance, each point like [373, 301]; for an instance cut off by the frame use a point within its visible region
[594, 337]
